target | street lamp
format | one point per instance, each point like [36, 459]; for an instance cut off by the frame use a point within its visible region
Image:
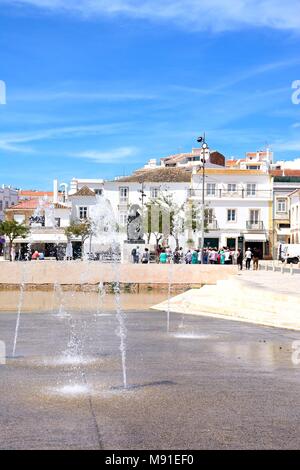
[204, 157]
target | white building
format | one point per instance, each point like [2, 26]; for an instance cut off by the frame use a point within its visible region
[46, 219]
[8, 198]
[260, 160]
[238, 206]
[142, 187]
[295, 216]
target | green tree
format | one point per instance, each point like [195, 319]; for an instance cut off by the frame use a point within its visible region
[79, 229]
[12, 230]
[171, 216]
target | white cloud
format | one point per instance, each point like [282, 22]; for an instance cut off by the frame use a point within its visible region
[109, 156]
[46, 95]
[291, 164]
[10, 142]
[288, 146]
[216, 15]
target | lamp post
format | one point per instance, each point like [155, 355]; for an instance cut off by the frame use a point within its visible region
[203, 159]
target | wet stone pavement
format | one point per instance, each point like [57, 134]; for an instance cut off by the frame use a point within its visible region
[208, 384]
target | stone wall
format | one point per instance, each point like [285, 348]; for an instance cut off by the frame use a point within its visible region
[74, 273]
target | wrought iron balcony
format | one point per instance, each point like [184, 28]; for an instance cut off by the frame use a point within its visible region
[218, 193]
[211, 225]
[255, 225]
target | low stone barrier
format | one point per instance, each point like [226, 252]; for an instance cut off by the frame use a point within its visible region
[83, 273]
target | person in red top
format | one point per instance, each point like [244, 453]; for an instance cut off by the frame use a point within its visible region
[35, 255]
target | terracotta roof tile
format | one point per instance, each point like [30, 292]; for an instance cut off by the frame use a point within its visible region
[159, 175]
[84, 191]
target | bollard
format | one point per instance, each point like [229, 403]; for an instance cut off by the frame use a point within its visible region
[282, 268]
[291, 269]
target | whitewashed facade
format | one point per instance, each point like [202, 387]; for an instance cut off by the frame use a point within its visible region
[294, 198]
[239, 208]
[138, 189]
[8, 197]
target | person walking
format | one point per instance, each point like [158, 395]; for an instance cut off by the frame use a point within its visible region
[194, 257]
[176, 256]
[188, 257]
[239, 259]
[163, 257]
[256, 256]
[145, 256]
[222, 256]
[212, 256]
[248, 256]
[227, 254]
[135, 253]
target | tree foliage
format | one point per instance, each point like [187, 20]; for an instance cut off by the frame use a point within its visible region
[12, 230]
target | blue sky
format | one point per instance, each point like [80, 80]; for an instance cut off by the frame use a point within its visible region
[96, 89]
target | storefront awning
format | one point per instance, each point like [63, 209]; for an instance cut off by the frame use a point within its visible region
[43, 238]
[255, 237]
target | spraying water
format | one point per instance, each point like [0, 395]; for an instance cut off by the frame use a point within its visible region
[121, 331]
[101, 298]
[20, 305]
[170, 280]
[61, 311]
[105, 236]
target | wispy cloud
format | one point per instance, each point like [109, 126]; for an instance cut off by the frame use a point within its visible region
[75, 96]
[292, 145]
[230, 81]
[216, 15]
[10, 142]
[113, 156]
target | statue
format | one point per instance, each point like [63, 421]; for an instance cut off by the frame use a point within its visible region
[135, 231]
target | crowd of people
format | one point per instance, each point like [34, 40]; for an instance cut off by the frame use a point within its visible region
[223, 256]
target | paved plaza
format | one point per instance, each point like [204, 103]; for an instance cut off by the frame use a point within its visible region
[208, 384]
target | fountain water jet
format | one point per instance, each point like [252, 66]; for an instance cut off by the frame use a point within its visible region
[21, 300]
[105, 233]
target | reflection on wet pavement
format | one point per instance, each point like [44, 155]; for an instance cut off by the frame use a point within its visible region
[210, 384]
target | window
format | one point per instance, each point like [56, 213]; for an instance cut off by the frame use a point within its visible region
[1, 205]
[123, 219]
[154, 192]
[231, 187]
[253, 167]
[57, 221]
[281, 205]
[20, 218]
[231, 215]
[83, 212]
[210, 215]
[6, 204]
[98, 192]
[254, 216]
[124, 194]
[211, 189]
[251, 189]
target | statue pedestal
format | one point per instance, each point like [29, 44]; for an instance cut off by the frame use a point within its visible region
[127, 248]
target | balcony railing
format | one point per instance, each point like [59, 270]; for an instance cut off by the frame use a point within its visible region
[224, 193]
[255, 225]
[211, 225]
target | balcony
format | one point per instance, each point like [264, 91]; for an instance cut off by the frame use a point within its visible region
[211, 225]
[255, 225]
[225, 194]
